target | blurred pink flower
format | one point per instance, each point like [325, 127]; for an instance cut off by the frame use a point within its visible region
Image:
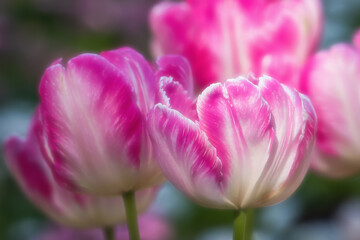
[247, 146]
[28, 166]
[332, 81]
[356, 39]
[226, 38]
[152, 227]
[93, 113]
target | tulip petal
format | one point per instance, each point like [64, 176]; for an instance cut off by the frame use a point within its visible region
[90, 118]
[238, 123]
[23, 164]
[137, 72]
[295, 122]
[179, 69]
[186, 157]
[176, 85]
[173, 95]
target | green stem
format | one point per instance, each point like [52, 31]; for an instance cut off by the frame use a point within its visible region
[131, 215]
[243, 225]
[109, 233]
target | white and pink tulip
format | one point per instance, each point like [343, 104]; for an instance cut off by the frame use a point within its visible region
[247, 146]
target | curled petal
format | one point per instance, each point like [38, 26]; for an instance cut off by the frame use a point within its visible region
[176, 85]
[179, 69]
[173, 95]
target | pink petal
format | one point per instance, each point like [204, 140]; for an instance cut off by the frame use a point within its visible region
[239, 125]
[186, 157]
[174, 96]
[137, 72]
[176, 85]
[22, 159]
[295, 122]
[179, 69]
[92, 124]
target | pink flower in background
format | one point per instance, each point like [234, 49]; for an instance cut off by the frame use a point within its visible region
[29, 168]
[93, 113]
[332, 81]
[356, 39]
[247, 146]
[152, 227]
[226, 38]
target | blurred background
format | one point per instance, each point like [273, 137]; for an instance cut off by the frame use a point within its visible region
[33, 33]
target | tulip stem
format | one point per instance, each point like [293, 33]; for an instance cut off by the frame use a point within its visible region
[243, 224]
[109, 233]
[131, 215]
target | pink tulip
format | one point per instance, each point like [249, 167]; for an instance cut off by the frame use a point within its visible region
[226, 38]
[28, 166]
[332, 81]
[246, 148]
[93, 113]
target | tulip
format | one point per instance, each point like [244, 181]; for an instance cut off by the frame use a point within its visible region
[247, 149]
[331, 80]
[226, 38]
[35, 178]
[93, 118]
[93, 113]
